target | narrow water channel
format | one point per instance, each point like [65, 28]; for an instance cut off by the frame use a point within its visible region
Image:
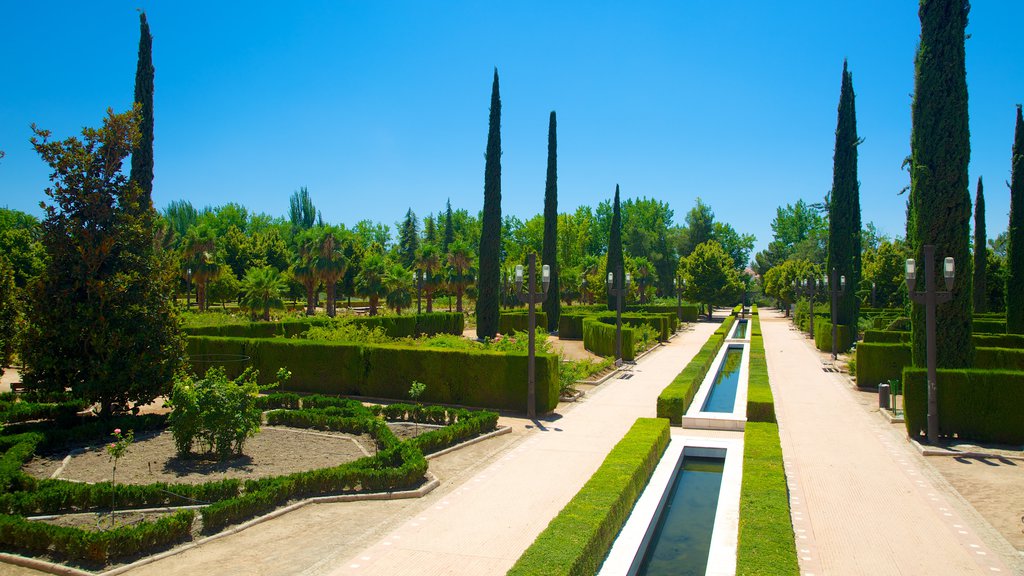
[722, 397]
[741, 329]
[682, 537]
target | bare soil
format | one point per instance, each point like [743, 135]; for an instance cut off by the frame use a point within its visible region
[993, 487]
[153, 458]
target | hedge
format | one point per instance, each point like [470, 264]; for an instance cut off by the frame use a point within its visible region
[675, 399]
[982, 340]
[599, 338]
[570, 325]
[519, 321]
[393, 326]
[877, 363]
[661, 324]
[577, 540]
[978, 405]
[823, 336]
[766, 544]
[982, 326]
[672, 312]
[760, 402]
[469, 377]
[885, 337]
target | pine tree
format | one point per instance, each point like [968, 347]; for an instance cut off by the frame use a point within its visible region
[449, 228]
[615, 260]
[844, 208]
[429, 230]
[549, 253]
[1015, 234]
[302, 213]
[940, 205]
[980, 252]
[490, 231]
[142, 152]
[408, 239]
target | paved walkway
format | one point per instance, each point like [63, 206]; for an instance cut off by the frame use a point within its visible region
[863, 500]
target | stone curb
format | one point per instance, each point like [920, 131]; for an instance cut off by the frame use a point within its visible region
[929, 451]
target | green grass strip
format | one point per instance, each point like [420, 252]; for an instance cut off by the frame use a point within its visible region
[760, 402]
[766, 543]
[578, 539]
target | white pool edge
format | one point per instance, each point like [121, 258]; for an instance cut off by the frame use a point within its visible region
[736, 420]
[725, 534]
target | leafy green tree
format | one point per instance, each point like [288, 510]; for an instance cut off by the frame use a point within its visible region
[304, 269]
[844, 235]
[330, 266]
[644, 276]
[995, 281]
[370, 280]
[940, 206]
[180, 215]
[980, 252]
[700, 226]
[490, 236]
[549, 253]
[19, 244]
[1015, 234]
[198, 256]
[100, 320]
[460, 262]
[570, 289]
[710, 276]
[301, 211]
[9, 313]
[142, 151]
[779, 281]
[885, 267]
[261, 290]
[398, 287]
[616, 261]
[428, 262]
[225, 287]
[429, 230]
[737, 246]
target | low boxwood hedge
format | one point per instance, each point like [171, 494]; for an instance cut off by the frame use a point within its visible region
[877, 362]
[519, 321]
[393, 326]
[599, 338]
[661, 323]
[979, 405]
[984, 326]
[675, 399]
[570, 325]
[982, 340]
[999, 359]
[766, 544]
[478, 378]
[885, 337]
[577, 540]
[823, 336]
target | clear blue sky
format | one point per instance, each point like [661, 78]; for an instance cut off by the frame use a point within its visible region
[378, 107]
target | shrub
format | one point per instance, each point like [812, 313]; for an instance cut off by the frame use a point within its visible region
[392, 326]
[675, 399]
[577, 540]
[766, 544]
[823, 336]
[900, 324]
[998, 341]
[886, 337]
[479, 378]
[599, 338]
[518, 321]
[878, 363]
[982, 326]
[570, 326]
[979, 405]
[999, 358]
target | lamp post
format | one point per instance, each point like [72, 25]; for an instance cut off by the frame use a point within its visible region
[619, 293]
[931, 297]
[188, 290]
[531, 297]
[811, 287]
[679, 297]
[417, 277]
[837, 289]
[872, 294]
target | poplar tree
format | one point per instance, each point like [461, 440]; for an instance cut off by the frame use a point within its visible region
[1015, 234]
[549, 252]
[615, 260]
[940, 204]
[980, 252]
[142, 151]
[490, 230]
[844, 209]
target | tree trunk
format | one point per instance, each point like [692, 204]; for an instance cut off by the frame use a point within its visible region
[330, 299]
[310, 303]
[458, 298]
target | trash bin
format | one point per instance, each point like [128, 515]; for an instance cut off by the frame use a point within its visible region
[883, 397]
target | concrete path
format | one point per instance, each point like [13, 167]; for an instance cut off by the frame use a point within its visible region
[484, 524]
[863, 500]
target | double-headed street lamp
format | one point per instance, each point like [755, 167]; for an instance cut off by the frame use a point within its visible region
[837, 290]
[931, 297]
[616, 279]
[531, 297]
[811, 288]
[679, 287]
[188, 291]
[872, 294]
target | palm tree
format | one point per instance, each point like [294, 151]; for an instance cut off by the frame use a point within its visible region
[460, 259]
[428, 261]
[261, 290]
[330, 265]
[398, 285]
[645, 276]
[304, 269]
[197, 258]
[370, 280]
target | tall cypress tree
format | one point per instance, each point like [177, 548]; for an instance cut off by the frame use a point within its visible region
[844, 208]
[490, 226]
[615, 259]
[408, 239]
[940, 149]
[142, 152]
[549, 252]
[449, 229]
[980, 252]
[1015, 232]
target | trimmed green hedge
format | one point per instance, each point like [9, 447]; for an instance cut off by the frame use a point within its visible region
[570, 325]
[979, 405]
[671, 312]
[885, 337]
[760, 402]
[823, 336]
[766, 544]
[469, 377]
[999, 359]
[877, 363]
[393, 326]
[519, 321]
[577, 540]
[675, 399]
[982, 326]
[998, 340]
[659, 322]
[599, 338]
